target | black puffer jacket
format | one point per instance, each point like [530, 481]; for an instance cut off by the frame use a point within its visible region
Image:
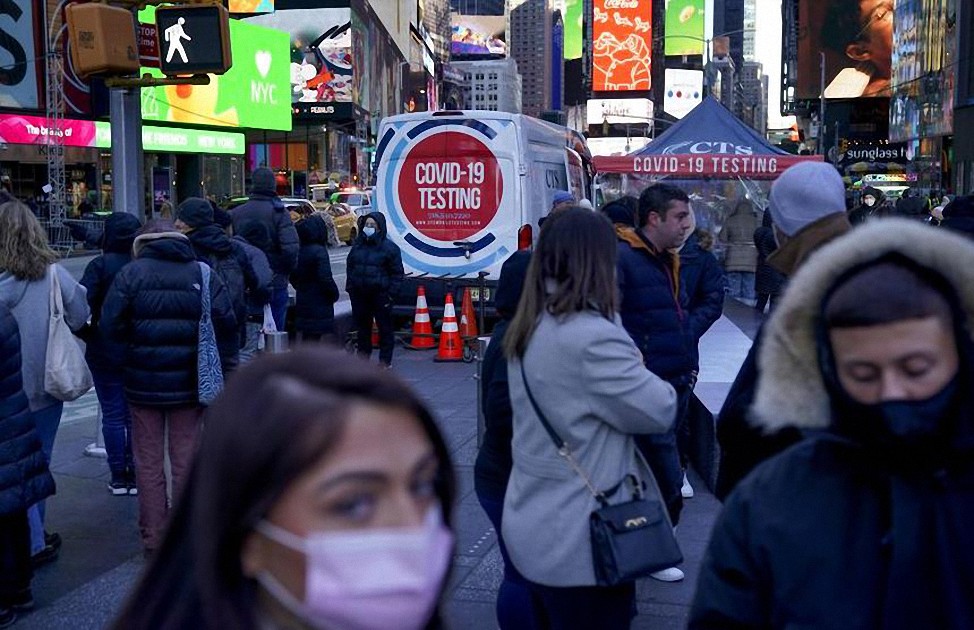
[153, 307]
[116, 243]
[654, 308]
[492, 469]
[281, 246]
[316, 291]
[374, 264]
[24, 475]
[229, 259]
[704, 282]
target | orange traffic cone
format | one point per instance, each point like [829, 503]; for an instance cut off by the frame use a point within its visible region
[468, 320]
[422, 328]
[451, 345]
[375, 334]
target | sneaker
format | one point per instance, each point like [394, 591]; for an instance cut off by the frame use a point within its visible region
[687, 490]
[48, 554]
[118, 488]
[7, 617]
[133, 490]
[668, 575]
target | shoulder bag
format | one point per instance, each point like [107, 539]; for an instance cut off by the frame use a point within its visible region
[629, 540]
[208, 367]
[66, 374]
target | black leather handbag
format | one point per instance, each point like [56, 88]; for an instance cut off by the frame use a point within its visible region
[629, 540]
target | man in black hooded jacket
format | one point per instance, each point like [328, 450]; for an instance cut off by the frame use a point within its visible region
[281, 246]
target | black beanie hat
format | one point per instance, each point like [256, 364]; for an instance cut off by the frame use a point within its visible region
[195, 212]
[263, 180]
[222, 218]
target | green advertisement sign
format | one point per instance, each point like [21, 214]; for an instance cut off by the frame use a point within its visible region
[171, 140]
[573, 28]
[255, 93]
[685, 23]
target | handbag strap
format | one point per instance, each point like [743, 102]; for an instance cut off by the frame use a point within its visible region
[563, 449]
[204, 289]
[56, 301]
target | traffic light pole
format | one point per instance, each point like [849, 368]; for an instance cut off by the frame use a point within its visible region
[128, 166]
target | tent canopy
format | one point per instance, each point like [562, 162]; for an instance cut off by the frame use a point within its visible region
[708, 142]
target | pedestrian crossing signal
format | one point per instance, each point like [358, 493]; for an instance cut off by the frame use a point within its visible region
[193, 39]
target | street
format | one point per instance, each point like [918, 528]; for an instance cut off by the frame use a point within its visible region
[102, 556]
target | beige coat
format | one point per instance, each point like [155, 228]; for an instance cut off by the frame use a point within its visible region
[738, 234]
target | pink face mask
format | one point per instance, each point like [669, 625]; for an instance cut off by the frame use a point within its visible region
[368, 580]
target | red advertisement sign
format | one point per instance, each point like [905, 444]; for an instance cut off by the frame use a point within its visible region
[450, 186]
[696, 166]
[148, 45]
[622, 34]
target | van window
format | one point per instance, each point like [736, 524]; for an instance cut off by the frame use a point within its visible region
[576, 175]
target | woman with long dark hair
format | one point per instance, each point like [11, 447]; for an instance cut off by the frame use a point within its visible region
[568, 347]
[320, 497]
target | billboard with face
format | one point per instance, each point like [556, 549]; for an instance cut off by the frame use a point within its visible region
[856, 37]
[622, 44]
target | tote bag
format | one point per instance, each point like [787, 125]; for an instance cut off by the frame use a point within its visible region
[208, 367]
[66, 374]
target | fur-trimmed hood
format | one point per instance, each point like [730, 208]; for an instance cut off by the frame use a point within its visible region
[790, 389]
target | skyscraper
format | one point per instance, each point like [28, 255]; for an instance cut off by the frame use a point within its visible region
[478, 7]
[530, 45]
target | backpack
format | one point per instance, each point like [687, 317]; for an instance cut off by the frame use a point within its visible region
[232, 274]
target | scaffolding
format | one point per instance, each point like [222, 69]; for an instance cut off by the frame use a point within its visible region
[53, 216]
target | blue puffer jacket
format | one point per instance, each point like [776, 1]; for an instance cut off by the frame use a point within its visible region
[153, 307]
[24, 475]
[375, 264]
[116, 243]
[704, 281]
[654, 308]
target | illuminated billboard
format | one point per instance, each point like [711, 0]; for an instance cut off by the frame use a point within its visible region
[574, 31]
[684, 91]
[251, 6]
[685, 27]
[857, 40]
[478, 35]
[622, 44]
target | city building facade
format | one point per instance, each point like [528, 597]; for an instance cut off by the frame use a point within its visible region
[530, 27]
[490, 84]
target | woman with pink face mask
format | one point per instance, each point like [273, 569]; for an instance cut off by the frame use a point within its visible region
[320, 498]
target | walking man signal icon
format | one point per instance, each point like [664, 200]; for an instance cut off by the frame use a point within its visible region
[175, 36]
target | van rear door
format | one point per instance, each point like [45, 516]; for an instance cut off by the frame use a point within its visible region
[449, 188]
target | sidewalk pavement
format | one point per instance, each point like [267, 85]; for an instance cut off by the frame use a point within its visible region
[101, 557]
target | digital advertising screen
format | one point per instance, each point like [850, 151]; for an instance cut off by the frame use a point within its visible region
[857, 41]
[685, 27]
[478, 35]
[622, 45]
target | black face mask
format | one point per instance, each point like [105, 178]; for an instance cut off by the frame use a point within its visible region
[905, 433]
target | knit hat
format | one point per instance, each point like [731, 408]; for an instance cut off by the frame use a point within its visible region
[804, 194]
[195, 212]
[222, 218]
[263, 180]
[562, 196]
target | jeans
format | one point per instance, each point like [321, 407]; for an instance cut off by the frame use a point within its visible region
[116, 423]
[517, 606]
[249, 350]
[365, 308]
[740, 284]
[279, 300]
[663, 455]
[15, 567]
[587, 607]
[47, 421]
[149, 430]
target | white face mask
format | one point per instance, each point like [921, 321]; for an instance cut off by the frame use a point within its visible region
[869, 201]
[366, 580]
[368, 231]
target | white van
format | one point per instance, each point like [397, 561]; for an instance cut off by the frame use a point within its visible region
[462, 190]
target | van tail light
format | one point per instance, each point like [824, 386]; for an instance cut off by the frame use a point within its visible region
[525, 237]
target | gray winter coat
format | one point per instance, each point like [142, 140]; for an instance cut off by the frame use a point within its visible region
[30, 304]
[589, 380]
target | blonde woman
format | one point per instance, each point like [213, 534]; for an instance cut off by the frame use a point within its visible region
[26, 267]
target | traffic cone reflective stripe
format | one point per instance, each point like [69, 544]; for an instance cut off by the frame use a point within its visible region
[451, 345]
[468, 319]
[422, 326]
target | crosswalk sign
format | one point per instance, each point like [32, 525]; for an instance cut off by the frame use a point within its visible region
[193, 39]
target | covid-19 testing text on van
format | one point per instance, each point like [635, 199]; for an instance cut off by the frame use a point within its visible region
[461, 191]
